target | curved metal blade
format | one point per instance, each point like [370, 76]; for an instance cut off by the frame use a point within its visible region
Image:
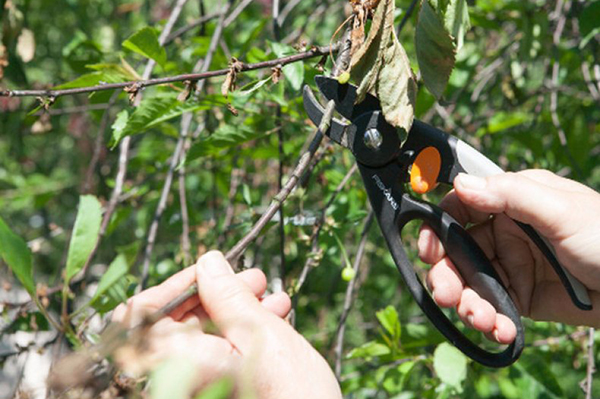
[315, 111]
[344, 96]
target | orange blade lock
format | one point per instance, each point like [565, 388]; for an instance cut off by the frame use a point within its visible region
[425, 170]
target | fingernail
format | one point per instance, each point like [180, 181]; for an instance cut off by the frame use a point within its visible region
[496, 335]
[214, 265]
[471, 182]
[433, 296]
[470, 319]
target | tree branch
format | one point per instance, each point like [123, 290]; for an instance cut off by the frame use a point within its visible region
[315, 51]
[349, 298]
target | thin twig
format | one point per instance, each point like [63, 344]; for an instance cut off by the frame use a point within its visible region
[406, 16]
[126, 143]
[161, 40]
[179, 152]
[562, 136]
[236, 178]
[235, 252]
[98, 143]
[280, 285]
[311, 262]
[194, 24]
[236, 12]
[591, 366]
[315, 51]
[349, 298]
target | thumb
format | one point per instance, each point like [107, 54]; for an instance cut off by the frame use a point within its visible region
[228, 301]
[518, 196]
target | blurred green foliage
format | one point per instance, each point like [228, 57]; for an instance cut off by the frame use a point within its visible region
[498, 100]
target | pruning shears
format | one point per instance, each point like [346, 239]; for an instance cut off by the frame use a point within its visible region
[428, 157]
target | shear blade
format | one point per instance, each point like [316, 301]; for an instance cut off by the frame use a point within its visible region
[315, 111]
[344, 96]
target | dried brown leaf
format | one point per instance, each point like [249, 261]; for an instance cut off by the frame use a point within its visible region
[380, 66]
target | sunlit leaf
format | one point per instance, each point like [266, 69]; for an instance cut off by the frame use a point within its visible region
[226, 137]
[14, 251]
[388, 318]
[117, 269]
[456, 20]
[369, 350]
[156, 110]
[85, 234]
[450, 364]
[435, 50]
[145, 42]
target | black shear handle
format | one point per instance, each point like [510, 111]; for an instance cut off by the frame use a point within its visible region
[394, 209]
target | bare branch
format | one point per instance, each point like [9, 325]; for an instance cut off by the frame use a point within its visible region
[349, 298]
[179, 152]
[313, 52]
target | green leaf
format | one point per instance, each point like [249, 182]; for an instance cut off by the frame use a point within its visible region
[253, 86]
[456, 20]
[220, 389]
[503, 120]
[435, 50]
[388, 318]
[294, 72]
[173, 378]
[16, 254]
[538, 369]
[226, 137]
[588, 22]
[119, 124]
[450, 364]
[154, 111]
[107, 73]
[145, 42]
[85, 234]
[380, 66]
[117, 269]
[369, 350]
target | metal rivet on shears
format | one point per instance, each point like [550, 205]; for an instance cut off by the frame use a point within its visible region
[373, 138]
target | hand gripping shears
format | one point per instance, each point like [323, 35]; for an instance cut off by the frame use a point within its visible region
[429, 156]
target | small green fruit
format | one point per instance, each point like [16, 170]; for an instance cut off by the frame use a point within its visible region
[348, 273]
[343, 78]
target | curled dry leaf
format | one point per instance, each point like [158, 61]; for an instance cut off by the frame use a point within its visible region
[132, 91]
[381, 67]
[235, 67]
[190, 87]
[276, 74]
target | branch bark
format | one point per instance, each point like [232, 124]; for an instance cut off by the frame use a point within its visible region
[315, 51]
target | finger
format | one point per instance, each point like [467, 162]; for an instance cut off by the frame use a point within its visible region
[519, 197]
[552, 180]
[229, 303]
[445, 283]
[476, 311]
[279, 303]
[154, 298]
[255, 279]
[504, 331]
[430, 247]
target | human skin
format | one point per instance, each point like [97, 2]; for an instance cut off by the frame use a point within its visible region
[565, 212]
[253, 343]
